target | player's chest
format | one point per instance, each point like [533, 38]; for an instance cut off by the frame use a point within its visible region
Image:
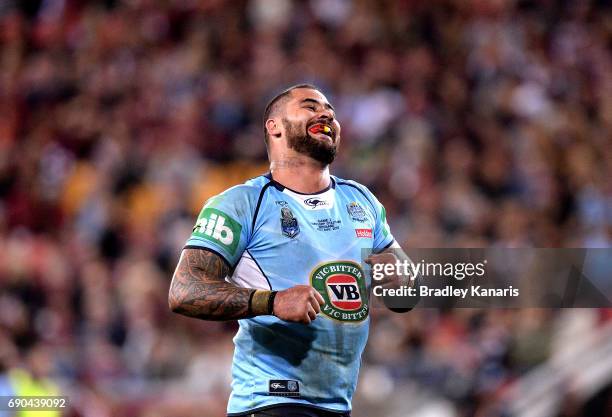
[328, 223]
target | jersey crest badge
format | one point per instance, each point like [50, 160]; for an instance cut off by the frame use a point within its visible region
[289, 223]
[292, 386]
[356, 212]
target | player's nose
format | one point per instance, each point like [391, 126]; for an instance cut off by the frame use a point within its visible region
[327, 114]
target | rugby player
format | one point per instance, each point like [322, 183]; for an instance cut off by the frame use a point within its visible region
[282, 254]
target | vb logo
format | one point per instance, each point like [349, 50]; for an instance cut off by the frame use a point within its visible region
[343, 292]
[342, 286]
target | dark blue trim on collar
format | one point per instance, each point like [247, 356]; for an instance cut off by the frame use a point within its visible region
[281, 187]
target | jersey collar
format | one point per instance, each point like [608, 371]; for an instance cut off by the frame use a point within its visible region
[281, 187]
[321, 200]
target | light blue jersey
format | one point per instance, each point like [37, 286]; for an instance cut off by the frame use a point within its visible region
[275, 238]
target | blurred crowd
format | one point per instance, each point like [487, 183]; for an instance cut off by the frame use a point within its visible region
[476, 123]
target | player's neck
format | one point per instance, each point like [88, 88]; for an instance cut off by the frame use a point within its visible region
[300, 173]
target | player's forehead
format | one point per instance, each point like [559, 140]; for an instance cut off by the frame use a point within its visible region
[301, 95]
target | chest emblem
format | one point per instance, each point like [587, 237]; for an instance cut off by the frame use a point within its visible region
[342, 285]
[289, 224]
[356, 212]
[315, 202]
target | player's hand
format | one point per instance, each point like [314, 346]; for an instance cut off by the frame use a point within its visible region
[299, 304]
[383, 258]
[393, 281]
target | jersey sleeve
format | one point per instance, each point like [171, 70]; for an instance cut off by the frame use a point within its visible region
[224, 223]
[382, 233]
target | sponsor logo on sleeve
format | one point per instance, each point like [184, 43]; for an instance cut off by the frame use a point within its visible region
[218, 227]
[342, 285]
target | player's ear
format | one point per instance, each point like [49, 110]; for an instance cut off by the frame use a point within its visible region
[273, 128]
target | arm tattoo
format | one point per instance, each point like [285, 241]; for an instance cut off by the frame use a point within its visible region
[199, 289]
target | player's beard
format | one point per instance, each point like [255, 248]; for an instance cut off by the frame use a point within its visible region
[300, 141]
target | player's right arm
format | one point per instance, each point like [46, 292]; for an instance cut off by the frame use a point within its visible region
[199, 290]
[220, 236]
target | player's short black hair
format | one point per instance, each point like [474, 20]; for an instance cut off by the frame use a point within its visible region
[272, 104]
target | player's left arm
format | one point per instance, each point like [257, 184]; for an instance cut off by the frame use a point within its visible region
[393, 255]
[386, 250]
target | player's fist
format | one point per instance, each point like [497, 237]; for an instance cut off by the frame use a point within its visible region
[299, 304]
[393, 280]
[382, 259]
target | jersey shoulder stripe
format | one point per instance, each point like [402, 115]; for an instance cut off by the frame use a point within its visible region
[261, 195]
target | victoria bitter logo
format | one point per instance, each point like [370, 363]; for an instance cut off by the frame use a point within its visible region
[342, 285]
